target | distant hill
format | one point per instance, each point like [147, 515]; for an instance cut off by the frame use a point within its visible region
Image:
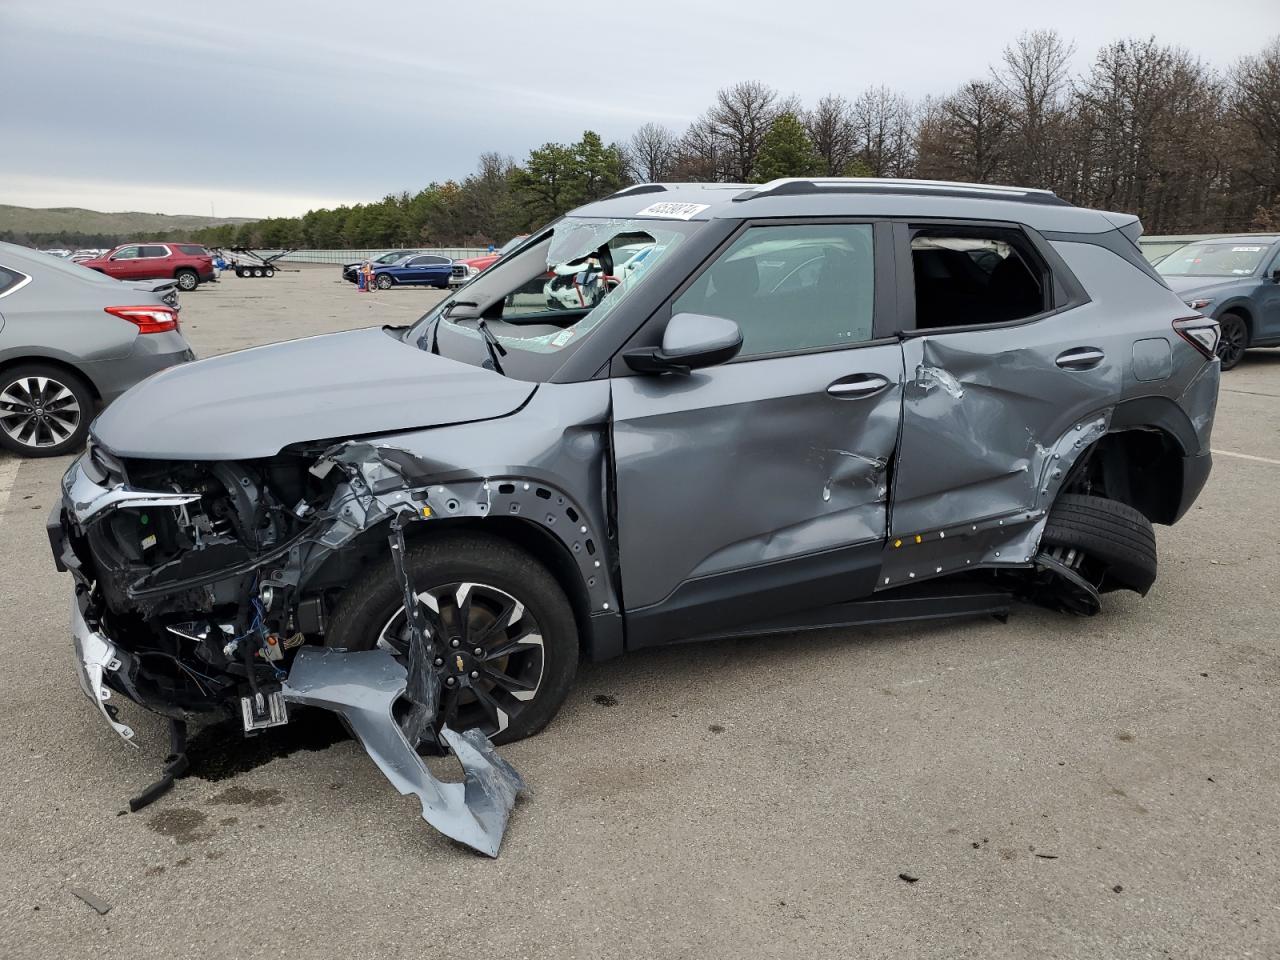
[48, 221]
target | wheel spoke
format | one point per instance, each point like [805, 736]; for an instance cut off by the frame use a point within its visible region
[500, 623]
[497, 716]
[518, 688]
[523, 641]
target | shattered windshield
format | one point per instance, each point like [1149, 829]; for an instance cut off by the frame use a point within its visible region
[547, 296]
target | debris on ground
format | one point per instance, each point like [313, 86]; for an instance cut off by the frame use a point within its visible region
[97, 903]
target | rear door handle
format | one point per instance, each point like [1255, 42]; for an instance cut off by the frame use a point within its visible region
[1080, 358]
[858, 386]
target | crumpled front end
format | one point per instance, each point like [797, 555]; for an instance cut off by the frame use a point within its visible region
[200, 588]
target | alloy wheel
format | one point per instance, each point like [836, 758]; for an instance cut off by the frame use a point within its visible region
[1233, 341]
[38, 412]
[187, 281]
[488, 655]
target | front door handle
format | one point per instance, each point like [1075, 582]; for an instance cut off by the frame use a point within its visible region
[858, 386]
[1080, 358]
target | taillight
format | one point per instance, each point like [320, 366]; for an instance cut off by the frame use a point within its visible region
[1201, 332]
[149, 319]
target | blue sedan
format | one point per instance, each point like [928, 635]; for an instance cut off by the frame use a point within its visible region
[422, 269]
[1235, 280]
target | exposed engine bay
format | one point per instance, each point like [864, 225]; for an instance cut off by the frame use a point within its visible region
[210, 579]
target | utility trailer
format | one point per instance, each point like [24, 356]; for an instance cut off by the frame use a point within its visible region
[257, 265]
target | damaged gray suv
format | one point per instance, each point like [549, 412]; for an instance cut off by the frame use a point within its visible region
[681, 412]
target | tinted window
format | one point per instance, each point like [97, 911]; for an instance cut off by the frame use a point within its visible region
[9, 279]
[975, 276]
[791, 287]
[154, 251]
[193, 250]
[433, 260]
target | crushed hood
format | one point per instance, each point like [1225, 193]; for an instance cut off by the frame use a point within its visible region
[253, 403]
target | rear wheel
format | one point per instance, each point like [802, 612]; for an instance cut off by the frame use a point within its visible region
[44, 410]
[257, 271]
[506, 642]
[269, 272]
[188, 280]
[1234, 340]
[1108, 542]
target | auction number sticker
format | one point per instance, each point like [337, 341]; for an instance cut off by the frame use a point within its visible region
[1246, 249]
[673, 211]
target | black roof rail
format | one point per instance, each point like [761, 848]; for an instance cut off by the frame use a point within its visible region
[794, 186]
[637, 189]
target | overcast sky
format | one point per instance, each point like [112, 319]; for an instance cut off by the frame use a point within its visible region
[265, 109]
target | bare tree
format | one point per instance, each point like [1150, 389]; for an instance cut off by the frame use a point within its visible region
[1254, 118]
[885, 130]
[965, 136]
[1033, 75]
[738, 122]
[831, 129]
[651, 153]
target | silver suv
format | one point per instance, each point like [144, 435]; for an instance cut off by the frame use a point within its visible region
[810, 402]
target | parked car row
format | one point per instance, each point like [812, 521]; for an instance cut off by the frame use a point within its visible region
[399, 268]
[73, 339]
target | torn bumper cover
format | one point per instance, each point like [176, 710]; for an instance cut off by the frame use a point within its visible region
[369, 689]
[363, 687]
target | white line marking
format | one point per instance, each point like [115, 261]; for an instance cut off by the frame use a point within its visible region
[8, 474]
[1244, 456]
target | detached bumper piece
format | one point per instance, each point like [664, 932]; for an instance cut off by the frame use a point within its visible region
[363, 687]
[95, 657]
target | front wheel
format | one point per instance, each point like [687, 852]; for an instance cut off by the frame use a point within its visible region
[1234, 339]
[505, 638]
[383, 282]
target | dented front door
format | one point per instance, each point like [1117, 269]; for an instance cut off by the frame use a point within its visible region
[751, 463]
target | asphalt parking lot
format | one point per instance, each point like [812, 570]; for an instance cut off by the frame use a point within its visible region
[1103, 787]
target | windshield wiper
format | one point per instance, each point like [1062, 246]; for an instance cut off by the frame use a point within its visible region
[491, 344]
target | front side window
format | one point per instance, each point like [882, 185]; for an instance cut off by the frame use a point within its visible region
[791, 287]
[126, 253]
[973, 276]
[1238, 258]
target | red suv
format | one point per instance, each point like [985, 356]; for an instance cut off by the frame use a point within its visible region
[188, 263]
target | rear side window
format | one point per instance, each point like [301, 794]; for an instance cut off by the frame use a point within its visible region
[791, 288]
[193, 250]
[973, 276]
[9, 279]
[154, 251]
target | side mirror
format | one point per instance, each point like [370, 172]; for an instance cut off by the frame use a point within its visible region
[691, 340]
[1275, 275]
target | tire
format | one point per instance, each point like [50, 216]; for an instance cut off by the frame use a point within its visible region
[188, 280]
[240, 272]
[383, 282]
[1112, 535]
[1234, 340]
[44, 410]
[257, 271]
[370, 612]
[269, 272]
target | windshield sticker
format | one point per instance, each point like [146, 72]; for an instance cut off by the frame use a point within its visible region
[561, 338]
[673, 211]
[1246, 249]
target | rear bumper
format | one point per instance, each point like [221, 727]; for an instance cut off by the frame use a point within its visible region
[151, 353]
[1195, 474]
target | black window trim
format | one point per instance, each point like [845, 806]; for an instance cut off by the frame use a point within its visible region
[23, 280]
[1067, 292]
[882, 305]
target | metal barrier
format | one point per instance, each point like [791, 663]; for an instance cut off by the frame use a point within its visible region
[354, 256]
